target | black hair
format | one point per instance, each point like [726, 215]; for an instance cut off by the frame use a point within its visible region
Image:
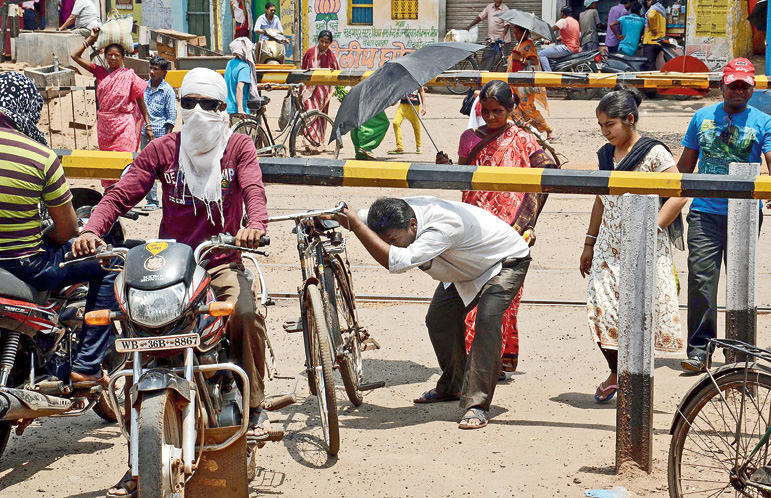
[325, 33]
[115, 45]
[501, 93]
[159, 61]
[566, 11]
[269, 5]
[624, 2]
[621, 102]
[636, 8]
[387, 213]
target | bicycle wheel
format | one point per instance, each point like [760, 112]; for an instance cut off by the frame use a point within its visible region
[716, 434]
[345, 321]
[314, 130]
[256, 133]
[468, 64]
[321, 364]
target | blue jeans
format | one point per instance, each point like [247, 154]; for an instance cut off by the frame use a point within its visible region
[42, 271]
[152, 195]
[30, 19]
[553, 51]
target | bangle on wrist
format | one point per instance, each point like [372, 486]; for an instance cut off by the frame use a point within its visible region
[589, 245]
[660, 228]
[593, 237]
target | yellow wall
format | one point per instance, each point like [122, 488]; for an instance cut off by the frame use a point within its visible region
[720, 43]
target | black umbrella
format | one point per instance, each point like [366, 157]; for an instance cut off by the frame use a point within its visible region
[758, 15]
[530, 22]
[396, 79]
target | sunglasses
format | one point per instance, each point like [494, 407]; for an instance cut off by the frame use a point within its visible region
[729, 131]
[206, 104]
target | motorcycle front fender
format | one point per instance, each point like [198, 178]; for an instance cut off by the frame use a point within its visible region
[160, 379]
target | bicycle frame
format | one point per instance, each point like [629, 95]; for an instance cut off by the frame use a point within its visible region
[283, 136]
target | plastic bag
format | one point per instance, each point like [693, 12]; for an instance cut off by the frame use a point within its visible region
[288, 109]
[116, 32]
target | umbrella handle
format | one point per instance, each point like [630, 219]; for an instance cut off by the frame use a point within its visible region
[423, 124]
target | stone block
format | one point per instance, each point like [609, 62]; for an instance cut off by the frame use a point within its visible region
[46, 77]
[37, 48]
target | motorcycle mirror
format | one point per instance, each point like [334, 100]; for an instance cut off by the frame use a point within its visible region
[99, 317]
[219, 308]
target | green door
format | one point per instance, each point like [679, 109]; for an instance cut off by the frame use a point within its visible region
[199, 19]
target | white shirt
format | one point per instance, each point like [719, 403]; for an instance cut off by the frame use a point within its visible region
[456, 243]
[87, 15]
[263, 23]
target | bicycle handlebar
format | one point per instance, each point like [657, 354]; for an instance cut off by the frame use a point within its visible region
[309, 214]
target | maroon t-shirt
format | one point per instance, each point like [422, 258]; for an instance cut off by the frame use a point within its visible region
[182, 221]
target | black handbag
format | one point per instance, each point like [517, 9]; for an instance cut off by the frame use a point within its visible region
[468, 101]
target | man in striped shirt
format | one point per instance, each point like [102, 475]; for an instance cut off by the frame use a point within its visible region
[31, 174]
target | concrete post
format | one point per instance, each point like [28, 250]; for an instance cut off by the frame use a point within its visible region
[637, 282]
[52, 15]
[741, 265]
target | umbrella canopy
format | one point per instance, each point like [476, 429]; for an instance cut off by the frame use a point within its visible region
[530, 22]
[758, 15]
[395, 80]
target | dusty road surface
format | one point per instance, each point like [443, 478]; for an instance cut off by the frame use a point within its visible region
[547, 437]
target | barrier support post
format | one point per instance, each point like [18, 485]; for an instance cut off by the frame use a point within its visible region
[637, 282]
[741, 317]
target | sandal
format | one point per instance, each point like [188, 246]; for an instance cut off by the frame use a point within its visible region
[123, 484]
[396, 151]
[432, 396]
[257, 419]
[473, 413]
[501, 376]
[611, 388]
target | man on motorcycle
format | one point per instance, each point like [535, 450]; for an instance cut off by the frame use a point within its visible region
[31, 174]
[207, 174]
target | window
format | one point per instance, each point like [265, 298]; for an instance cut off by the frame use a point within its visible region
[404, 9]
[360, 11]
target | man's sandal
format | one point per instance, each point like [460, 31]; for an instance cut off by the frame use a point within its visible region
[257, 419]
[432, 396]
[473, 413]
[123, 484]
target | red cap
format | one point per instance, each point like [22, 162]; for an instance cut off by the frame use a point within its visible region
[739, 69]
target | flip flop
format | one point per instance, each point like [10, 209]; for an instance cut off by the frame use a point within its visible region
[611, 388]
[476, 414]
[257, 419]
[123, 484]
[396, 151]
[431, 396]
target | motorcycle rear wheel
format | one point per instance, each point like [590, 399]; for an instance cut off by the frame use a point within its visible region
[160, 432]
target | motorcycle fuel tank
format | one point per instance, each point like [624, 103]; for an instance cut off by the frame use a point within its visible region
[159, 263]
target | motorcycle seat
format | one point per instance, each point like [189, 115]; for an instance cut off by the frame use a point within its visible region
[570, 57]
[257, 103]
[13, 287]
[630, 58]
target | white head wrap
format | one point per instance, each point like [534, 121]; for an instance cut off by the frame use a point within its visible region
[203, 139]
[243, 48]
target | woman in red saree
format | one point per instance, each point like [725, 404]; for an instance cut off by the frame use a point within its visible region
[120, 93]
[318, 96]
[500, 143]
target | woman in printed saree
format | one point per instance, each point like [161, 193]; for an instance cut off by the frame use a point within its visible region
[120, 93]
[318, 96]
[500, 143]
[626, 150]
[524, 56]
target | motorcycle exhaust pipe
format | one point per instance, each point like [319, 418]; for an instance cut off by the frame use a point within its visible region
[16, 404]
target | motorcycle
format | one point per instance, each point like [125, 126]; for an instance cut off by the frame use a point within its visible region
[184, 387]
[38, 333]
[579, 62]
[273, 50]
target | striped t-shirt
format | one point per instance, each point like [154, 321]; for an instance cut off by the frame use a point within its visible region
[29, 173]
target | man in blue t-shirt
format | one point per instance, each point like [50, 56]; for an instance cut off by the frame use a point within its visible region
[631, 27]
[240, 76]
[718, 135]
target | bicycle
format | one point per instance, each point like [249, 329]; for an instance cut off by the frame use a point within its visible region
[721, 430]
[332, 334]
[313, 128]
[493, 57]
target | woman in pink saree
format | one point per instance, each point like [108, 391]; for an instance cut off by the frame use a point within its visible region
[120, 93]
[318, 97]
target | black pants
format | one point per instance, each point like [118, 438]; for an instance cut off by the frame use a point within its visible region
[474, 376]
[707, 239]
[651, 52]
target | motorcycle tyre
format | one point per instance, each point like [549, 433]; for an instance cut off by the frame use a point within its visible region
[152, 426]
[5, 433]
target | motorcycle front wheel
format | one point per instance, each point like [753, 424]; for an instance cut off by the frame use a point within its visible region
[161, 471]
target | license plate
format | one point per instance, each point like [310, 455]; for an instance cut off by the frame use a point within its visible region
[157, 343]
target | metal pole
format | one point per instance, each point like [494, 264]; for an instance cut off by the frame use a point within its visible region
[3, 28]
[637, 282]
[741, 319]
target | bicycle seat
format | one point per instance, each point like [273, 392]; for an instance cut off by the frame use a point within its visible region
[322, 225]
[13, 287]
[257, 103]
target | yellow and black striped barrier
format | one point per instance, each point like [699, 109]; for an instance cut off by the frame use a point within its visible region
[658, 80]
[309, 171]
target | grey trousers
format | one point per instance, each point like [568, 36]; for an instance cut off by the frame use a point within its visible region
[475, 375]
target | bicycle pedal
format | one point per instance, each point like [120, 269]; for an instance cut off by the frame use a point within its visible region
[371, 385]
[296, 326]
[370, 344]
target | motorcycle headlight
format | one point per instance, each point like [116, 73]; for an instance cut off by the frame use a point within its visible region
[156, 308]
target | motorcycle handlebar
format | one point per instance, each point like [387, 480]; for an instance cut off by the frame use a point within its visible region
[231, 240]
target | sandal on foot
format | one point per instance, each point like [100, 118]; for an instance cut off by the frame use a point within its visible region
[611, 389]
[473, 413]
[257, 419]
[501, 376]
[124, 485]
[396, 151]
[432, 396]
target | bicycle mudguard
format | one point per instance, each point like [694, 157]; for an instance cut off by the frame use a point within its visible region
[705, 381]
[160, 379]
